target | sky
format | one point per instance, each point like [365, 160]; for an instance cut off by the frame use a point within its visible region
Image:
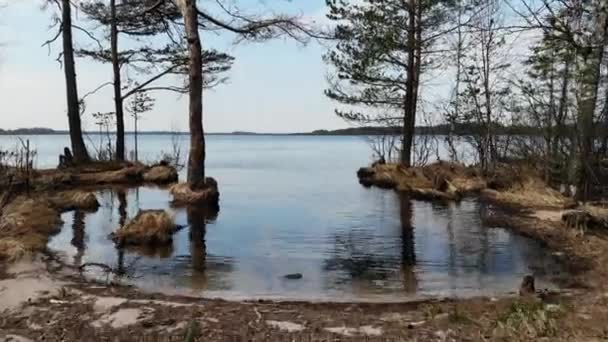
[275, 86]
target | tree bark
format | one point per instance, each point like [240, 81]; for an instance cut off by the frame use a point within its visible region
[135, 136]
[196, 159]
[409, 118]
[587, 113]
[79, 149]
[118, 103]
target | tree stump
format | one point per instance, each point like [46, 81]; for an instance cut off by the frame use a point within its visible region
[66, 159]
[527, 286]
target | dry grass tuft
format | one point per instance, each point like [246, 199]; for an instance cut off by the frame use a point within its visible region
[131, 174]
[510, 184]
[29, 222]
[72, 200]
[149, 227]
[161, 174]
[530, 192]
[12, 250]
[441, 180]
[184, 194]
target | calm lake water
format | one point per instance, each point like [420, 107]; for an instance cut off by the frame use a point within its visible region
[293, 205]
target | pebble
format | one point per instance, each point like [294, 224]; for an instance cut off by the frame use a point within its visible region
[294, 276]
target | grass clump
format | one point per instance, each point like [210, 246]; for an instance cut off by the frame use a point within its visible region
[12, 250]
[131, 174]
[160, 174]
[184, 193]
[149, 227]
[73, 200]
[25, 226]
[530, 192]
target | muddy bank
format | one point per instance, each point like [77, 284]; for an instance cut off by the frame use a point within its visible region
[56, 307]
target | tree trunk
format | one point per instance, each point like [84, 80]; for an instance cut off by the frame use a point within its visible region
[196, 159]
[586, 116]
[136, 142]
[79, 149]
[409, 119]
[120, 123]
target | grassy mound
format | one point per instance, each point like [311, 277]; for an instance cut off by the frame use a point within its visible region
[160, 174]
[75, 200]
[184, 193]
[149, 227]
[529, 191]
[441, 180]
[131, 174]
[510, 184]
[12, 249]
[26, 225]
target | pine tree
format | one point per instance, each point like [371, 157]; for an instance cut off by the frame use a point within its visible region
[383, 48]
[146, 60]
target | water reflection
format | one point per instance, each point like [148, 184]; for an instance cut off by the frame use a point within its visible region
[122, 214]
[78, 237]
[399, 248]
[408, 251]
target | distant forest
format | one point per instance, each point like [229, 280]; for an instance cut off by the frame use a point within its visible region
[460, 129]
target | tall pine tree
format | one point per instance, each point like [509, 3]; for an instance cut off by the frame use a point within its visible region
[383, 47]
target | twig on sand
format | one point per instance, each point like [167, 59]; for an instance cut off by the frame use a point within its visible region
[257, 314]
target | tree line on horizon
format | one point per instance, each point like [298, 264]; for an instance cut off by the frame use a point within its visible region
[382, 54]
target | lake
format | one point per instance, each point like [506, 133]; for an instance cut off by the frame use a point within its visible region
[292, 204]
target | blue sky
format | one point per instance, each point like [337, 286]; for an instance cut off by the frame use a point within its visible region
[274, 87]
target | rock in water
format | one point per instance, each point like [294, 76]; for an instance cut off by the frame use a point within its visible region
[527, 286]
[293, 276]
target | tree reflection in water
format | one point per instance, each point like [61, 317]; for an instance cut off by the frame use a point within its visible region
[408, 255]
[365, 258]
[78, 236]
[198, 216]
